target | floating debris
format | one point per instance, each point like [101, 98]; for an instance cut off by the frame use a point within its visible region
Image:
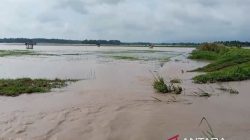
[230, 90]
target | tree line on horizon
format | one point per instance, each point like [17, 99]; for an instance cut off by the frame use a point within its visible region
[113, 42]
[39, 40]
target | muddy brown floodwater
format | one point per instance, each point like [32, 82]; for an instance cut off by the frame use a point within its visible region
[113, 101]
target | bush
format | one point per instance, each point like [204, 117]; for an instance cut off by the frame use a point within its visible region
[212, 47]
[203, 55]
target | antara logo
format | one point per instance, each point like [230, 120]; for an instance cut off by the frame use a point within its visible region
[178, 136]
[175, 137]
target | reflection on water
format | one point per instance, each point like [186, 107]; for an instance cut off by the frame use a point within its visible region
[75, 62]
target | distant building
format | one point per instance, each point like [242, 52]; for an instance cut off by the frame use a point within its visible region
[30, 45]
[151, 46]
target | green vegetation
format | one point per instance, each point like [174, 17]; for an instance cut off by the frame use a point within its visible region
[144, 55]
[117, 42]
[235, 43]
[4, 53]
[125, 57]
[164, 59]
[204, 55]
[39, 40]
[229, 64]
[161, 87]
[175, 80]
[15, 87]
[208, 52]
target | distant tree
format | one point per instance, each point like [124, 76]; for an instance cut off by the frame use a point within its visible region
[235, 43]
[111, 42]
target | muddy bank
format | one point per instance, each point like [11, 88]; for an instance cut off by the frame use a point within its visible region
[117, 104]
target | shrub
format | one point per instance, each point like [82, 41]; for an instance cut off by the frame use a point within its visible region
[161, 87]
[212, 47]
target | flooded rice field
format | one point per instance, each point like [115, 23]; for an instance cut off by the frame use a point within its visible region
[114, 99]
[72, 61]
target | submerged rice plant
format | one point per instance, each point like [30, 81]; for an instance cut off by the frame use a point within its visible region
[163, 87]
[208, 133]
[15, 87]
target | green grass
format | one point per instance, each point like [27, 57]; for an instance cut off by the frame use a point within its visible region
[230, 58]
[233, 73]
[15, 87]
[208, 52]
[4, 53]
[203, 55]
[231, 64]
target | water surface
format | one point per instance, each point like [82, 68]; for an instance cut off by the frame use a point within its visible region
[74, 62]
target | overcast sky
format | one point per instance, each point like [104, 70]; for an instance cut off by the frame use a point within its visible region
[127, 20]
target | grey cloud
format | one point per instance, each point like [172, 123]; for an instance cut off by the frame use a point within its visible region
[81, 6]
[127, 20]
[111, 1]
[76, 5]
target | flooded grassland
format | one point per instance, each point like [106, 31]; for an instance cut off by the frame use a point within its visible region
[114, 98]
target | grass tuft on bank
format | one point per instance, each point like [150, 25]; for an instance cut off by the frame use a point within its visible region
[162, 87]
[228, 64]
[15, 87]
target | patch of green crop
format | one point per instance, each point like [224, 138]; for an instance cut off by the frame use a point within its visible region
[15, 87]
[208, 52]
[234, 73]
[231, 64]
[125, 57]
[4, 53]
[231, 58]
[203, 55]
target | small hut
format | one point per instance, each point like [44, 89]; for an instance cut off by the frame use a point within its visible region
[151, 46]
[30, 45]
